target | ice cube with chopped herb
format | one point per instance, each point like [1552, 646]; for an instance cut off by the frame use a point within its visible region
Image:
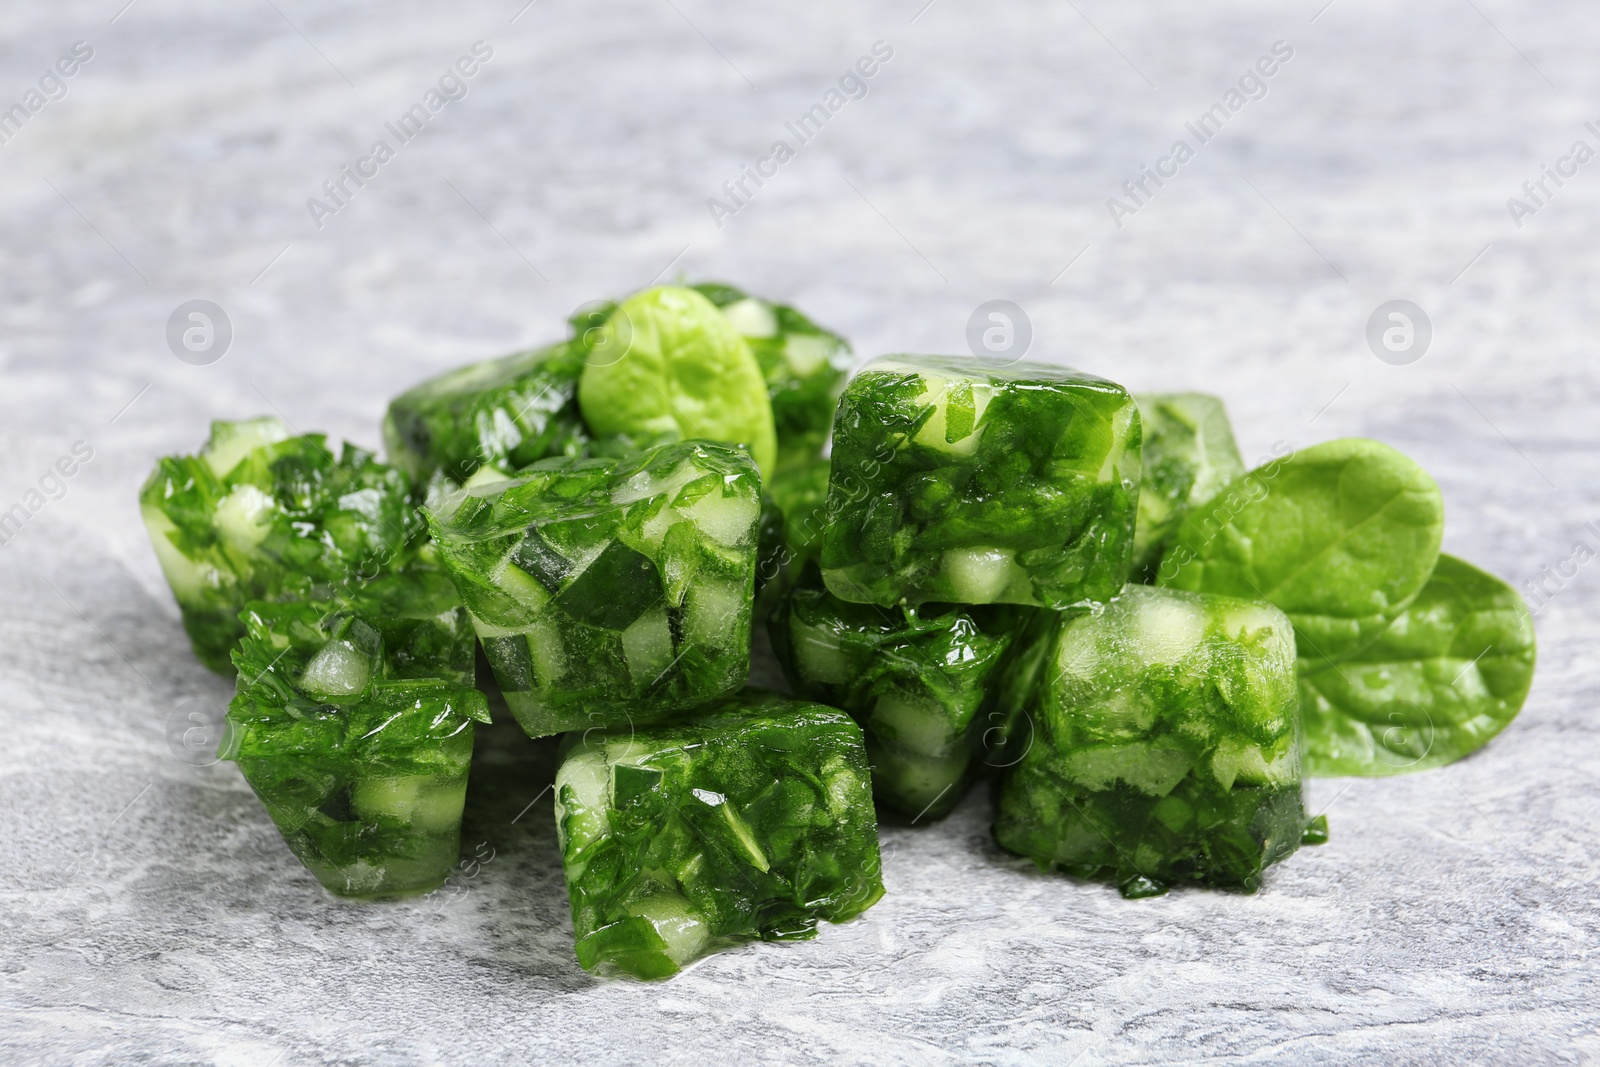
[502, 413]
[1189, 455]
[353, 723]
[751, 819]
[795, 514]
[1165, 745]
[915, 678]
[262, 512]
[954, 480]
[805, 366]
[609, 590]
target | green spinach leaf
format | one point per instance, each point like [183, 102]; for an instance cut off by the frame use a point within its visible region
[1342, 536]
[672, 366]
[1447, 676]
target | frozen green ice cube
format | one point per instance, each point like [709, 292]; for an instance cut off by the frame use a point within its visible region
[1165, 745]
[750, 819]
[804, 364]
[1189, 455]
[916, 680]
[1007, 728]
[506, 413]
[791, 532]
[953, 480]
[261, 514]
[353, 723]
[609, 590]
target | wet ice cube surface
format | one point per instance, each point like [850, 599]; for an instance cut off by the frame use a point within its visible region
[761, 795]
[956, 480]
[353, 723]
[1165, 745]
[914, 679]
[610, 591]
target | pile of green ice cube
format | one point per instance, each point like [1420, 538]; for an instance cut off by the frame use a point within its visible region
[1016, 573]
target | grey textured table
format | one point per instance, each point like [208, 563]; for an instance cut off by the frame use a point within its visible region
[150, 912]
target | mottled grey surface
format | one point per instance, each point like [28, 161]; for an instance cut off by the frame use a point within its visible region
[150, 912]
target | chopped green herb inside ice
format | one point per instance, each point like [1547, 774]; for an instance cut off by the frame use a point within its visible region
[260, 514]
[751, 819]
[955, 481]
[791, 532]
[805, 368]
[354, 727]
[1165, 745]
[504, 413]
[609, 590]
[914, 679]
[1189, 455]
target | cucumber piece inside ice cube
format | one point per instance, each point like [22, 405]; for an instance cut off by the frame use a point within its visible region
[712, 612]
[614, 590]
[677, 924]
[919, 725]
[957, 410]
[807, 352]
[819, 657]
[485, 475]
[244, 517]
[978, 575]
[1166, 630]
[727, 520]
[647, 644]
[338, 670]
[546, 652]
[516, 582]
[582, 798]
[751, 317]
[1146, 766]
[190, 579]
[429, 804]
[920, 786]
[1236, 760]
[232, 441]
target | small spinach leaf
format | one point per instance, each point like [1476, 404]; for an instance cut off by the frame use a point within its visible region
[671, 365]
[1341, 536]
[1447, 676]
